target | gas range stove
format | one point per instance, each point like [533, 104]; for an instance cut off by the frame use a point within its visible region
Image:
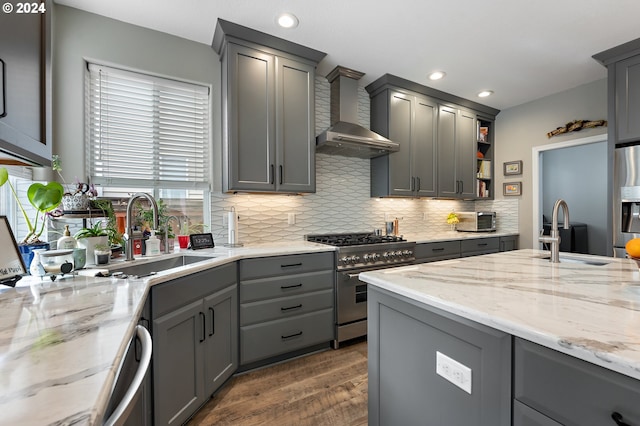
[365, 250]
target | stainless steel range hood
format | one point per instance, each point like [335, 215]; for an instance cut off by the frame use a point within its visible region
[345, 137]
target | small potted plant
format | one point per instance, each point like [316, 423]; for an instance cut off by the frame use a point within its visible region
[91, 237]
[44, 198]
[78, 196]
[102, 253]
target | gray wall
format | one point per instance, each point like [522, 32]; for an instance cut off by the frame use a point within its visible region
[579, 176]
[523, 127]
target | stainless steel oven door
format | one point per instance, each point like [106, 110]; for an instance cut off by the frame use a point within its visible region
[351, 297]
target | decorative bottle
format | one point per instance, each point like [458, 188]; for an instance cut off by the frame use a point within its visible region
[67, 241]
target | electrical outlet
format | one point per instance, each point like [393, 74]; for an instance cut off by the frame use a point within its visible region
[453, 371]
[291, 218]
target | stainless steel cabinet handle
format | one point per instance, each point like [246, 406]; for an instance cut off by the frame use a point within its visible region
[291, 335]
[418, 184]
[213, 322]
[281, 174]
[298, 306]
[413, 184]
[284, 287]
[271, 173]
[204, 326]
[3, 89]
[125, 406]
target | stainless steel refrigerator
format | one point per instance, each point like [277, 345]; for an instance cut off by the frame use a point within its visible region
[626, 197]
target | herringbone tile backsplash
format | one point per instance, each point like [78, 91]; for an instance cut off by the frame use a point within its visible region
[341, 202]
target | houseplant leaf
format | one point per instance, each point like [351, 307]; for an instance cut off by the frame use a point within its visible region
[45, 198]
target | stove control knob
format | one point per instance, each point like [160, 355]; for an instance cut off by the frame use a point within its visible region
[355, 259]
[407, 253]
[376, 256]
[366, 258]
[344, 259]
[386, 255]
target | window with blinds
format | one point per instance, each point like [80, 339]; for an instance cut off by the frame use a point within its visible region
[146, 132]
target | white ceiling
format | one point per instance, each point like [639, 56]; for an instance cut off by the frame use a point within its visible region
[522, 50]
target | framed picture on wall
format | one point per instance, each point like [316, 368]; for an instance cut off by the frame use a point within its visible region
[512, 168]
[512, 188]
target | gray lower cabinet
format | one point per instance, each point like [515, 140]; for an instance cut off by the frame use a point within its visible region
[441, 250]
[478, 246]
[410, 120]
[457, 139]
[552, 388]
[509, 243]
[286, 305]
[195, 340]
[404, 389]
[268, 112]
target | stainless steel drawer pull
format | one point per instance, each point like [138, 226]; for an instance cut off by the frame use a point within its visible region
[617, 417]
[284, 287]
[291, 307]
[213, 322]
[438, 249]
[291, 265]
[299, 333]
[204, 326]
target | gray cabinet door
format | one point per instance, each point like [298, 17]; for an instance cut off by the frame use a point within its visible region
[295, 127]
[466, 140]
[628, 99]
[448, 184]
[249, 120]
[456, 153]
[424, 147]
[401, 110]
[25, 84]
[178, 373]
[404, 388]
[221, 343]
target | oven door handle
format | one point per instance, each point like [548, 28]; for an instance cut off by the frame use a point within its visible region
[353, 275]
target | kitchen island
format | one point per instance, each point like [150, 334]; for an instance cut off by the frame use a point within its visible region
[512, 318]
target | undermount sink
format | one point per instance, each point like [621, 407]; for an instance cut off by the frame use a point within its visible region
[148, 268]
[579, 260]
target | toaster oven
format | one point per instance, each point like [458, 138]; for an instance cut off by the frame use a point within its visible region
[476, 221]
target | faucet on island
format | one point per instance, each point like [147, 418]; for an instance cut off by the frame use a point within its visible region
[129, 234]
[554, 238]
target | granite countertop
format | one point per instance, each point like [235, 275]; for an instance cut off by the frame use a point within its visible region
[61, 342]
[586, 311]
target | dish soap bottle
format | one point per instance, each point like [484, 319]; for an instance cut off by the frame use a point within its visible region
[153, 245]
[67, 241]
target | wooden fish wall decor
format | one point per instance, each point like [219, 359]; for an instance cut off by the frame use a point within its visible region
[577, 125]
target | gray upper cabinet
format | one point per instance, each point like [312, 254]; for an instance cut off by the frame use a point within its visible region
[268, 114]
[410, 120]
[456, 153]
[25, 88]
[438, 135]
[623, 68]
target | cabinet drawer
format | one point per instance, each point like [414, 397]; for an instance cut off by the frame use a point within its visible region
[571, 391]
[267, 288]
[282, 265]
[429, 252]
[480, 246]
[265, 340]
[173, 294]
[284, 307]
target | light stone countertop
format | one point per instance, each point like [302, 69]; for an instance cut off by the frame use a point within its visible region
[586, 311]
[61, 342]
[432, 237]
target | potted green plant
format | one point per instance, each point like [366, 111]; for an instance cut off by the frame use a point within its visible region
[102, 253]
[44, 198]
[116, 238]
[91, 237]
[145, 218]
[76, 197]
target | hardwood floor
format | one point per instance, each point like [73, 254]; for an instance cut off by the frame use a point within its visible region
[327, 388]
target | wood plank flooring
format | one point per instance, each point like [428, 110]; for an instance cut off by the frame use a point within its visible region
[327, 388]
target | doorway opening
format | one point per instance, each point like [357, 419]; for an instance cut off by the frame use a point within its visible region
[576, 171]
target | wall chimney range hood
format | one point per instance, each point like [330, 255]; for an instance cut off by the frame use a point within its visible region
[345, 137]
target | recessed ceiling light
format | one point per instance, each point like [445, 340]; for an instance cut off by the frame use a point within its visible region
[287, 20]
[485, 93]
[437, 75]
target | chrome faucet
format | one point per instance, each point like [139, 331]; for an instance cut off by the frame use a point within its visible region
[554, 238]
[128, 236]
[166, 231]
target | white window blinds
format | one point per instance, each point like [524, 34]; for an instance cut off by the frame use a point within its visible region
[145, 131]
